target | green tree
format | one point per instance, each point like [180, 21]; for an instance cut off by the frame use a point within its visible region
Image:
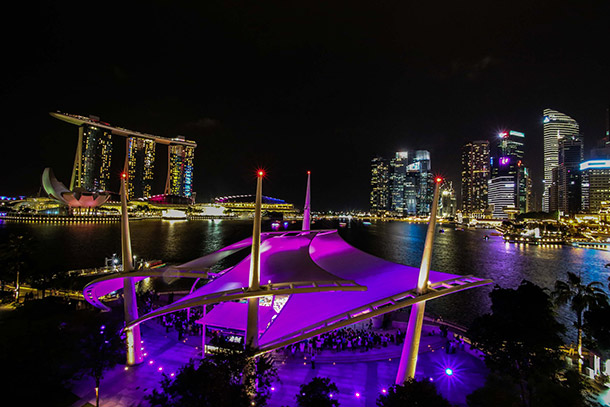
[498, 391]
[581, 297]
[596, 327]
[413, 393]
[521, 337]
[101, 349]
[319, 392]
[231, 378]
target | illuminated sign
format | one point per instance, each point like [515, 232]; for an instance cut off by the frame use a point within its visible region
[503, 134]
[546, 119]
[504, 161]
[595, 164]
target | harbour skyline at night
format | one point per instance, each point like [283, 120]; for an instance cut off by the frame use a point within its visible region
[300, 91]
[305, 204]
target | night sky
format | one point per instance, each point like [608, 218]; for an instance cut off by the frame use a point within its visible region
[293, 86]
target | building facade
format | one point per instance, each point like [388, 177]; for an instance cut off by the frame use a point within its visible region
[141, 162]
[565, 190]
[556, 126]
[403, 185]
[595, 184]
[380, 182]
[95, 159]
[509, 175]
[475, 175]
[180, 174]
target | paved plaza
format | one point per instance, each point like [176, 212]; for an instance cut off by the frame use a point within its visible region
[360, 376]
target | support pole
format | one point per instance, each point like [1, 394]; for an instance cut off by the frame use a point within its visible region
[307, 208]
[255, 259]
[410, 350]
[133, 341]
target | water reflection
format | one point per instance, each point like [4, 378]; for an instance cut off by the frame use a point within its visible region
[66, 247]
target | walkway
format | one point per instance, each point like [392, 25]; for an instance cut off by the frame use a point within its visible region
[360, 376]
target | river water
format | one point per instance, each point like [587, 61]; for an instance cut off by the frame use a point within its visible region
[67, 247]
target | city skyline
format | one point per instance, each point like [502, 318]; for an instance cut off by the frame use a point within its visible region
[316, 91]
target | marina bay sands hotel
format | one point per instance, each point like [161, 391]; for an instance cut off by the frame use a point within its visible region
[91, 169]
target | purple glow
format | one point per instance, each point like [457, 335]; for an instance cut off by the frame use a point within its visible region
[357, 394]
[449, 371]
[285, 257]
[504, 161]
[151, 362]
[384, 391]
[161, 368]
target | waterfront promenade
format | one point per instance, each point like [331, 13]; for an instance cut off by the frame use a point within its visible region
[360, 376]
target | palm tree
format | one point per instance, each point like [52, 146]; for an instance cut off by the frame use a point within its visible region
[581, 297]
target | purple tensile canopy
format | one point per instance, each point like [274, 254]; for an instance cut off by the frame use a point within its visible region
[311, 282]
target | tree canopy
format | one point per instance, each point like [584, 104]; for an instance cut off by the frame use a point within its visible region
[228, 378]
[413, 393]
[319, 392]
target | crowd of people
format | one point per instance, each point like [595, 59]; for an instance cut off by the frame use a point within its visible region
[347, 339]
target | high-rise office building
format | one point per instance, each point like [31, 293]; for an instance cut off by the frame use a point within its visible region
[141, 162]
[425, 184]
[595, 184]
[556, 126]
[475, 174]
[508, 184]
[398, 176]
[96, 154]
[408, 187]
[380, 182]
[565, 190]
[180, 174]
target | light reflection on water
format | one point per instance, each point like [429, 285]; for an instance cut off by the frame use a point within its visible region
[66, 247]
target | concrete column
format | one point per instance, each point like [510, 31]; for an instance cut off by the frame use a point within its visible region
[252, 325]
[410, 350]
[134, 342]
[307, 208]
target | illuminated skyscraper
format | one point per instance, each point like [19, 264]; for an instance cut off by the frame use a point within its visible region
[96, 153]
[94, 148]
[556, 126]
[141, 162]
[508, 185]
[424, 182]
[180, 174]
[595, 184]
[475, 174]
[565, 190]
[380, 181]
[398, 168]
[411, 183]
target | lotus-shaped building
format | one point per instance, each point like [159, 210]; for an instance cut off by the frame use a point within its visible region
[79, 198]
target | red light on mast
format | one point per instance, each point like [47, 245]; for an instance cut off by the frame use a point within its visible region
[438, 180]
[260, 173]
[124, 175]
[308, 172]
